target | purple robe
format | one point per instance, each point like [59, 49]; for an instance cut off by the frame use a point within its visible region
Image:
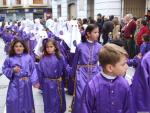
[1, 30]
[145, 47]
[85, 66]
[71, 79]
[134, 62]
[141, 85]
[19, 94]
[7, 39]
[104, 95]
[51, 70]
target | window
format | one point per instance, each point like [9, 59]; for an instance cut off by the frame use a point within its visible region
[18, 1]
[4, 2]
[37, 1]
[59, 10]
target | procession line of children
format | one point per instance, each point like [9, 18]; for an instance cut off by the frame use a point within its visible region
[99, 73]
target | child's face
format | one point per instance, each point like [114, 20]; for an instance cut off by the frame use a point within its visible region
[93, 36]
[18, 48]
[121, 67]
[50, 48]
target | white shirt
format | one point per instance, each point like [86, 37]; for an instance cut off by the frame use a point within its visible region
[90, 41]
[108, 76]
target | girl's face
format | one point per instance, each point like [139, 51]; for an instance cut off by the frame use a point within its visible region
[18, 48]
[93, 36]
[50, 48]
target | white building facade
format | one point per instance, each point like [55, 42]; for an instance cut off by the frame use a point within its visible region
[90, 8]
[19, 9]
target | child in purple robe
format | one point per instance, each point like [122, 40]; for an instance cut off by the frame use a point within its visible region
[145, 47]
[85, 63]
[108, 91]
[19, 68]
[141, 86]
[52, 67]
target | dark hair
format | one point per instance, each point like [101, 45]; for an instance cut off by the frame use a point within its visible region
[12, 51]
[45, 42]
[135, 18]
[89, 29]
[118, 42]
[85, 21]
[143, 22]
[111, 17]
[100, 15]
[92, 21]
[146, 37]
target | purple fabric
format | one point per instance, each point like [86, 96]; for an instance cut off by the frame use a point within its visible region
[107, 96]
[141, 85]
[145, 47]
[19, 94]
[50, 67]
[134, 62]
[86, 54]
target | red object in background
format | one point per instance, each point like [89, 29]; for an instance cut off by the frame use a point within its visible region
[129, 30]
[143, 30]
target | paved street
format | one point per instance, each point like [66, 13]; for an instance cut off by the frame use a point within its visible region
[37, 96]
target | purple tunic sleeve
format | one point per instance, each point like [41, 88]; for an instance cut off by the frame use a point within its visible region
[40, 69]
[134, 62]
[142, 48]
[7, 70]
[141, 85]
[67, 69]
[88, 100]
[34, 76]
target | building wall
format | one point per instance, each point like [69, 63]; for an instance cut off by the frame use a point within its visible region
[54, 8]
[105, 7]
[64, 9]
[1, 2]
[82, 8]
[25, 5]
[108, 7]
[147, 4]
[100, 6]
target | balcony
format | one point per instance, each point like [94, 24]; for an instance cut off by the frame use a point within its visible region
[39, 3]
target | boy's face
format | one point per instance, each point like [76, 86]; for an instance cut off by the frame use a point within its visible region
[121, 67]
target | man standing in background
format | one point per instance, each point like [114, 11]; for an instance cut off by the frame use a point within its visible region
[129, 34]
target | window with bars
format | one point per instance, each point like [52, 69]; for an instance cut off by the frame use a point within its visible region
[4, 2]
[18, 1]
[37, 1]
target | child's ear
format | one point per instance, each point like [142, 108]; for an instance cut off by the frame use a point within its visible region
[88, 34]
[109, 68]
